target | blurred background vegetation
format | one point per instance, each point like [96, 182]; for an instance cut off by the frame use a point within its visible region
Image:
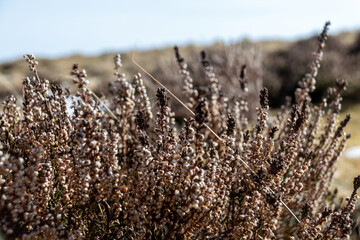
[278, 65]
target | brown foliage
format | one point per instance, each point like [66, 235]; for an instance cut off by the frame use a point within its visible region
[100, 172]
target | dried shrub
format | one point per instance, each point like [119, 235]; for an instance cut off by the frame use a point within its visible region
[104, 171]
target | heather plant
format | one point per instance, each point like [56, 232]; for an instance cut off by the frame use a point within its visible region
[115, 169]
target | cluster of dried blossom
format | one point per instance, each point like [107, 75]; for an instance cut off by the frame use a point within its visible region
[102, 173]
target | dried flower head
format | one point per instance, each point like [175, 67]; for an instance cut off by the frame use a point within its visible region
[356, 183]
[201, 111]
[162, 97]
[243, 80]
[264, 98]
[179, 59]
[230, 125]
[204, 60]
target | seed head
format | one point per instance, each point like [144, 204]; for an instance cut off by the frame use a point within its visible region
[264, 98]
[356, 183]
[272, 132]
[177, 55]
[162, 97]
[204, 60]
[201, 111]
[230, 125]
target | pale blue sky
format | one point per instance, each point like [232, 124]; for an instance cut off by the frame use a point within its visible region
[49, 28]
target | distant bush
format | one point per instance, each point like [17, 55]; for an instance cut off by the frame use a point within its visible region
[112, 169]
[227, 63]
